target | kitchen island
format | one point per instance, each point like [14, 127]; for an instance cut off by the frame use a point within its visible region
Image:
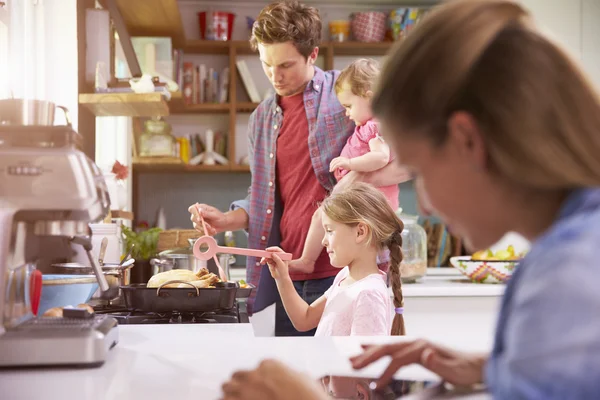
[191, 362]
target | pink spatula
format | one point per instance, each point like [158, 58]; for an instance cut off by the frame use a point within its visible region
[214, 248]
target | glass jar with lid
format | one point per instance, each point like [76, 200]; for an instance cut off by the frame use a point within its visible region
[157, 140]
[414, 248]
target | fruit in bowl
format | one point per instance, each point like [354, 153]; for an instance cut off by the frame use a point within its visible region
[507, 254]
[486, 266]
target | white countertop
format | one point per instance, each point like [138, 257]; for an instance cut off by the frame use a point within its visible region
[439, 282]
[190, 361]
[444, 282]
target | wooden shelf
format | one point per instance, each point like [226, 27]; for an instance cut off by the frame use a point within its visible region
[240, 168]
[207, 47]
[178, 168]
[246, 107]
[243, 47]
[360, 48]
[217, 47]
[179, 107]
[152, 18]
[184, 168]
[120, 214]
[125, 104]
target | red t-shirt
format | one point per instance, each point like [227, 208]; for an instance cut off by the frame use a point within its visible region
[299, 188]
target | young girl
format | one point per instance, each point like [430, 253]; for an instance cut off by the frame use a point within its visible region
[365, 150]
[358, 223]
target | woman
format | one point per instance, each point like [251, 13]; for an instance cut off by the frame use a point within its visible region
[502, 131]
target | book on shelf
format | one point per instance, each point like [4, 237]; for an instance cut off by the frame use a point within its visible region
[247, 80]
[202, 84]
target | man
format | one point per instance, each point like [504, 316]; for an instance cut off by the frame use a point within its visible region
[293, 136]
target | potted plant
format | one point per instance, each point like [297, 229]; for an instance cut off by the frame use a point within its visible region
[144, 248]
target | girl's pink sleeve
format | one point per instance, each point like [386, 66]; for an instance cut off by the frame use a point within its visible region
[371, 315]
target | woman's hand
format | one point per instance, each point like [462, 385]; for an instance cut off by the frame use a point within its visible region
[279, 269]
[455, 367]
[272, 380]
[215, 220]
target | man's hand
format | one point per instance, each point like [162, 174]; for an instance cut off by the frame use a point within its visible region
[215, 220]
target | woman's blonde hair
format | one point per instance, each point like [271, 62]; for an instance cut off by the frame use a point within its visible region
[360, 77]
[361, 202]
[288, 21]
[538, 114]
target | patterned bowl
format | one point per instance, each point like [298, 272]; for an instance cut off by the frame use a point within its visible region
[484, 271]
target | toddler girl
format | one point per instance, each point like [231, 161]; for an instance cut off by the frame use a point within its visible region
[365, 150]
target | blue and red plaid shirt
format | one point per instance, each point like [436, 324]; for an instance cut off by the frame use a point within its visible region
[329, 129]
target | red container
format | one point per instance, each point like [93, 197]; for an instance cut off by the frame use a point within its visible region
[216, 25]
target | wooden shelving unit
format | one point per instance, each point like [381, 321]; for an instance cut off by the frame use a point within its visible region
[162, 18]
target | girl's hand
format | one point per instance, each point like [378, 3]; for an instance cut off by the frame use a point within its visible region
[455, 367]
[339, 162]
[279, 269]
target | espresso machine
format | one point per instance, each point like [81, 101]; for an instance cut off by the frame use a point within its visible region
[49, 190]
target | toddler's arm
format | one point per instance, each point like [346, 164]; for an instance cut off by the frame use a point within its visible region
[377, 158]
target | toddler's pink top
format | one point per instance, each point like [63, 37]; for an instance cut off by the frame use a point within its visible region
[357, 145]
[362, 309]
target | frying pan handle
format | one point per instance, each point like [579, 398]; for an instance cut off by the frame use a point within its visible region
[253, 253]
[170, 282]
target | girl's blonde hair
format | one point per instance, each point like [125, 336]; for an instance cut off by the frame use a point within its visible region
[360, 77]
[361, 202]
[538, 114]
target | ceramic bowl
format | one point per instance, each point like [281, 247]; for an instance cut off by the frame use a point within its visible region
[484, 271]
[60, 290]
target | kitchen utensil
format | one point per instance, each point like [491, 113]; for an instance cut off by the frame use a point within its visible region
[128, 254]
[214, 248]
[181, 258]
[30, 112]
[102, 252]
[66, 290]
[138, 297]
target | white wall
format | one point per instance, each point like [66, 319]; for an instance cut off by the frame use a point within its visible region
[43, 52]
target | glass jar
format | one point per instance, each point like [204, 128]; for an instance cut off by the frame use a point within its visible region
[157, 141]
[414, 249]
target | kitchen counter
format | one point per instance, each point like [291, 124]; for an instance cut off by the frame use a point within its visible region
[442, 306]
[191, 362]
[446, 282]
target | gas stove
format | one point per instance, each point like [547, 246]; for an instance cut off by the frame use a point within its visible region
[235, 315]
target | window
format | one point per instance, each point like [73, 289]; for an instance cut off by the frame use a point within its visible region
[4, 60]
